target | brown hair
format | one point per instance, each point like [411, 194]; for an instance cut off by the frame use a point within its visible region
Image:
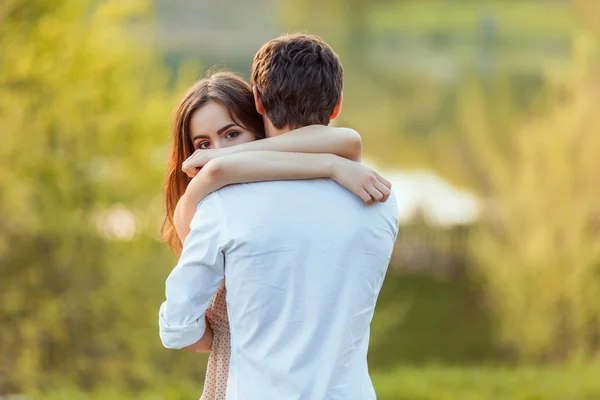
[230, 91]
[299, 79]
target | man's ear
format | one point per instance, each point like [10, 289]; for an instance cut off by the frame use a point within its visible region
[257, 101]
[337, 109]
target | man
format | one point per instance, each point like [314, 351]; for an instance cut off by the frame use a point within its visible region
[304, 261]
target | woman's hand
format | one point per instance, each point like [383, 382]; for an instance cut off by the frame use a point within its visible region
[200, 158]
[203, 345]
[361, 180]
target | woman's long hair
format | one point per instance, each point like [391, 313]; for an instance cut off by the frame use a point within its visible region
[230, 91]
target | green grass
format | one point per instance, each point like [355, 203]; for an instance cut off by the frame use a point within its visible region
[448, 383]
[428, 383]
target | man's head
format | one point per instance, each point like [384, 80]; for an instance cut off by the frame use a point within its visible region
[297, 81]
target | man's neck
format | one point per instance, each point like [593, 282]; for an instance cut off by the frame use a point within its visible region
[271, 131]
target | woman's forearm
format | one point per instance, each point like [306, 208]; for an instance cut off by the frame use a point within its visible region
[343, 142]
[250, 166]
[258, 166]
[183, 215]
[203, 184]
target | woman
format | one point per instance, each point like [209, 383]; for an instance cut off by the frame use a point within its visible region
[218, 113]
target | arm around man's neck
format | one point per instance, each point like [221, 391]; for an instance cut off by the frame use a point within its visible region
[343, 142]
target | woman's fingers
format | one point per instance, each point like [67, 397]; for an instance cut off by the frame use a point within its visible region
[188, 166]
[385, 190]
[365, 196]
[375, 194]
[191, 171]
[194, 163]
[383, 180]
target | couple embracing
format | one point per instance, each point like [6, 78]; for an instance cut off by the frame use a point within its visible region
[284, 237]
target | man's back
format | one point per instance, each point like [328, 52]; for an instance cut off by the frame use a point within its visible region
[304, 263]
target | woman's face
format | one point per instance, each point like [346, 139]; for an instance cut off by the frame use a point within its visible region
[211, 127]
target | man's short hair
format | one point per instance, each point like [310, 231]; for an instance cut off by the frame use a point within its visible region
[299, 80]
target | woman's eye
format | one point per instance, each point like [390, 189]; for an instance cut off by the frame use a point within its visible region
[232, 135]
[204, 145]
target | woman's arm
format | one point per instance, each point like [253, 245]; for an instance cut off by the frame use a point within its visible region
[203, 345]
[343, 142]
[256, 166]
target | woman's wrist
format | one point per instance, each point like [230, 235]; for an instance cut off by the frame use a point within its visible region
[333, 165]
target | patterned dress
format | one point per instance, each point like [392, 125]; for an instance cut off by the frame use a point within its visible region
[217, 370]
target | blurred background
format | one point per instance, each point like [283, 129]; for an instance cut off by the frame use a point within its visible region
[482, 114]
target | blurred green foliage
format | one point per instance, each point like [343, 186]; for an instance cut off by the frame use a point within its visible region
[84, 114]
[421, 320]
[84, 111]
[540, 247]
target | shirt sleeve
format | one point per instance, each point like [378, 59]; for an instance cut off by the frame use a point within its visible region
[193, 283]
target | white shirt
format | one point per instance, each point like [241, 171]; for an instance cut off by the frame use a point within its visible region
[304, 262]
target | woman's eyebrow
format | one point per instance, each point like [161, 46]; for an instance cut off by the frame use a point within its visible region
[223, 129]
[220, 131]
